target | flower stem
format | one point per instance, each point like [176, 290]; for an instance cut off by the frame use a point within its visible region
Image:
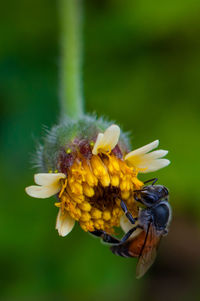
[71, 58]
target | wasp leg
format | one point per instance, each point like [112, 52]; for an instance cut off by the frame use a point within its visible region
[165, 232]
[127, 213]
[128, 234]
[154, 181]
[105, 237]
[122, 248]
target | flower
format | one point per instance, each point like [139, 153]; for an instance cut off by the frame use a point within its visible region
[94, 172]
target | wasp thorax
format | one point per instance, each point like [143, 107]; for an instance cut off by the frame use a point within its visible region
[161, 214]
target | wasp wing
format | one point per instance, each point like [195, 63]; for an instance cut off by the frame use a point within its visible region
[148, 251]
[131, 247]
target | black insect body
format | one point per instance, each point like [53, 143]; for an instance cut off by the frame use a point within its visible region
[152, 223]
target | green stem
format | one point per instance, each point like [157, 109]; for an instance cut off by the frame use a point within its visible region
[71, 58]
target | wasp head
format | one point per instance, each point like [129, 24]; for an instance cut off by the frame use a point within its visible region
[151, 194]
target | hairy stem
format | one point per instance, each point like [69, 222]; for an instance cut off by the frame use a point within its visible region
[71, 58]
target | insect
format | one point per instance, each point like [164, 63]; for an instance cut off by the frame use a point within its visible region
[152, 223]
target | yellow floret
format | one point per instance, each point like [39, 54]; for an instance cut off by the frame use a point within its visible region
[93, 190]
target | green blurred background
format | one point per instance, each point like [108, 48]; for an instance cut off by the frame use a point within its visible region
[141, 68]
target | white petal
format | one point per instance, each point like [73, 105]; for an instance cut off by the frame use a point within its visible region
[156, 154]
[107, 141]
[126, 226]
[111, 136]
[97, 144]
[156, 165]
[42, 192]
[142, 150]
[143, 161]
[64, 223]
[140, 158]
[48, 178]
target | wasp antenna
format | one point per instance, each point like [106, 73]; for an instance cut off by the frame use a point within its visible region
[154, 180]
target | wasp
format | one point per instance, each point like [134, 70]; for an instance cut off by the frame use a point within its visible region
[151, 224]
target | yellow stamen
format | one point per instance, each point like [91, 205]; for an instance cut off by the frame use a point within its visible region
[106, 215]
[85, 206]
[63, 188]
[93, 190]
[88, 190]
[85, 216]
[100, 170]
[96, 213]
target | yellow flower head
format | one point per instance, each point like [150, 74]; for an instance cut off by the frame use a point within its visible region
[94, 172]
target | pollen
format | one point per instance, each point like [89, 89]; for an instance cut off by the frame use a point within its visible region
[94, 188]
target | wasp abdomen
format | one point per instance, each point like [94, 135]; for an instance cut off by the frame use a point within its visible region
[121, 250]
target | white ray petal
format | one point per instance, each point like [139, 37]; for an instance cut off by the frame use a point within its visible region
[142, 161]
[48, 178]
[97, 144]
[156, 165]
[42, 192]
[111, 136]
[156, 154]
[142, 150]
[126, 226]
[64, 223]
[107, 141]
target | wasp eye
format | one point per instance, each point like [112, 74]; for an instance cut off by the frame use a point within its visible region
[150, 199]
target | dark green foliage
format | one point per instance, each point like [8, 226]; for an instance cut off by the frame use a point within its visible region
[141, 69]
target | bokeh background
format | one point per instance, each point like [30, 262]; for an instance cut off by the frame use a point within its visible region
[141, 68]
